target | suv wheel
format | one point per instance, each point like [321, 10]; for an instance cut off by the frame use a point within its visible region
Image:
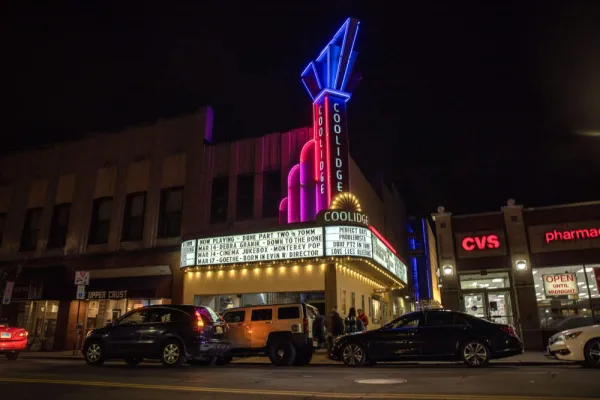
[172, 354]
[282, 354]
[93, 354]
[475, 354]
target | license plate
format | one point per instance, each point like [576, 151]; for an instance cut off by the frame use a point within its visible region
[219, 330]
[5, 335]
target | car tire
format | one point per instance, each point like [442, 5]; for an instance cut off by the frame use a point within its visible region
[303, 356]
[12, 356]
[172, 354]
[592, 353]
[133, 360]
[354, 355]
[93, 353]
[282, 354]
[223, 360]
[475, 354]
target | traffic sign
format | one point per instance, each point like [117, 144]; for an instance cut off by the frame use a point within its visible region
[82, 278]
[8, 289]
[80, 292]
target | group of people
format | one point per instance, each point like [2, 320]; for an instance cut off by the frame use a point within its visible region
[354, 322]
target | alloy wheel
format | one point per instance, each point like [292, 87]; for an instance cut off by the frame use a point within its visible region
[93, 352]
[353, 354]
[171, 353]
[280, 353]
[475, 354]
[594, 352]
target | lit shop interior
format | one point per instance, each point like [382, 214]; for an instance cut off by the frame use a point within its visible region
[371, 282]
[488, 296]
[565, 311]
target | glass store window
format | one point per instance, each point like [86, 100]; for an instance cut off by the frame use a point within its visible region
[487, 296]
[567, 296]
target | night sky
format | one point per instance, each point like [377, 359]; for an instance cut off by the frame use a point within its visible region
[463, 104]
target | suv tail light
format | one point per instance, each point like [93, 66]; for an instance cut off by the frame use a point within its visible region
[198, 322]
[508, 329]
[305, 325]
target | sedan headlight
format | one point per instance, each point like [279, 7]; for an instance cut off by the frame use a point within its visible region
[573, 335]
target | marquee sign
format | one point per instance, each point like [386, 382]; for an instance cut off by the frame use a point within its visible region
[291, 244]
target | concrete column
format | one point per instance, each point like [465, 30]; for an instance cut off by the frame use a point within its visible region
[525, 307]
[330, 288]
[450, 290]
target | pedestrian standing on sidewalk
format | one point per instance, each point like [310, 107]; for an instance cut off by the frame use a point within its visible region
[335, 327]
[353, 324]
[363, 318]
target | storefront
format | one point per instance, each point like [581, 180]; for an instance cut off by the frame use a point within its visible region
[336, 263]
[537, 269]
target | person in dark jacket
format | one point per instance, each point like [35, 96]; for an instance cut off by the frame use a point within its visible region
[353, 324]
[335, 327]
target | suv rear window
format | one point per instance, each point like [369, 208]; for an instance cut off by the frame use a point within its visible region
[288, 312]
[234, 316]
[207, 312]
[263, 314]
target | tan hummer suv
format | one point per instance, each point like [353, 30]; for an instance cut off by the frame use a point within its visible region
[284, 332]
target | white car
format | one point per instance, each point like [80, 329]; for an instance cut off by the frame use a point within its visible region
[578, 344]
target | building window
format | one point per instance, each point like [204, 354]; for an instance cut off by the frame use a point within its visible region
[219, 200]
[133, 220]
[59, 226]
[271, 193]
[101, 215]
[2, 225]
[171, 207]
[362, 302]
[244, 208]
[567, 296]
[31, 229]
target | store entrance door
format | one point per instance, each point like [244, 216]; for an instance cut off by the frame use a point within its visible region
[493, 305]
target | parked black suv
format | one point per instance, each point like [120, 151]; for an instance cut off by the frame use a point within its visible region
[172, 333]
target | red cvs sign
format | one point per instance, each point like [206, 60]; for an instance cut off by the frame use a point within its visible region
[473, 243]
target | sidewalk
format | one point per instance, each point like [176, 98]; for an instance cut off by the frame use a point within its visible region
[531, 358]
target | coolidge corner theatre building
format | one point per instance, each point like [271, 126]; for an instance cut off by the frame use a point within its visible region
[326, 249]
[536, 268]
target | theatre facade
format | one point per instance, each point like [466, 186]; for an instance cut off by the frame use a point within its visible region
[536, 268]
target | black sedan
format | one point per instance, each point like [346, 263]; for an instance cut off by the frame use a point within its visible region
[430, 336]
[172, 334]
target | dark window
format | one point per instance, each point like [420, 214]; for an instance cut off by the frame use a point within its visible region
[134, 318]
[158, 315]
[288, 313]
[133, 220]
[219, 200]
[100, 226]
[362, 302]
[59, 226]
[439, 319]
[244, 203]
[234, 316]
[406, 321]
[271, 193]
[209, 314]
[2, 224]
[171, 206]
[31, 229]
[264, 314]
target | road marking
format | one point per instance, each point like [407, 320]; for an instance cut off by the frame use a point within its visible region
[267, 392]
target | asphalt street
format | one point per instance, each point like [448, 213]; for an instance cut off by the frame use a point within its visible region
[74, 380]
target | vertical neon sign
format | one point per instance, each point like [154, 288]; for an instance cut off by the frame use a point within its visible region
[329, 81]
